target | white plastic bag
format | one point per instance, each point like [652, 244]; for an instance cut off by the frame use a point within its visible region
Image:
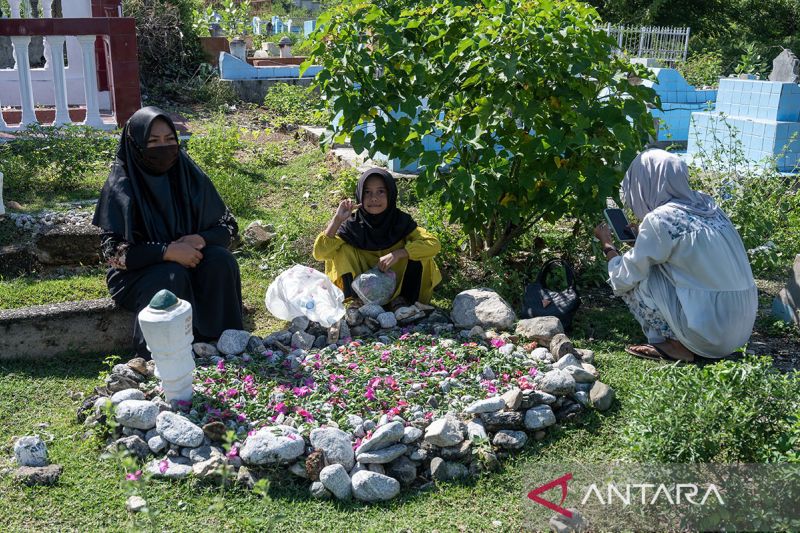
[374, 286]
[303, 291]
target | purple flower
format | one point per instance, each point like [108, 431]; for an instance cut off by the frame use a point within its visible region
[221, 365]
[136, 476]
[163, 466]
[233, 452]
[497, 342]
[370, 394]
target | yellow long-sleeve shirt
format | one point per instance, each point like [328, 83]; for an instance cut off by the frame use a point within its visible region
[342, 258]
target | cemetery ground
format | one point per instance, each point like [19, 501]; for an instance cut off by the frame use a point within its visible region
[282, 179]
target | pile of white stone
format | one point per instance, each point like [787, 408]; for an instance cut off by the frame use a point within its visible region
[34, 467]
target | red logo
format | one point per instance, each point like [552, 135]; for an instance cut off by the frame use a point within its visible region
[560, 482]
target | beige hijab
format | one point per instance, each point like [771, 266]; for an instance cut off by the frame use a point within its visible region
[657, 177]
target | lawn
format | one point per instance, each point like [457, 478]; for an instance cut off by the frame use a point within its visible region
[287, 182]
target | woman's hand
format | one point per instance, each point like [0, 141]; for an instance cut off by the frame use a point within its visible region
[195, 241]
[184, 254]
[386, 262]
[345, 209]
[603, 234]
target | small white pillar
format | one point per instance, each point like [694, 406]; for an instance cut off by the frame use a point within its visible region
[56, 45]
[23, 64]
[2, 205]
[90, 81]
[167, 327]
[15, 8]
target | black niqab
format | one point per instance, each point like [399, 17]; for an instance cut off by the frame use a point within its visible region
[146, 207]
[377, 232]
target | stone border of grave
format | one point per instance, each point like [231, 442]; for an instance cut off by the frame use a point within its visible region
[395, 452]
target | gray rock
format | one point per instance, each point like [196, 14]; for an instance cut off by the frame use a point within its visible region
[373, 487]
[336, 444]
[560, 346]
[157, 444]
[489, 405]
[509, 439]
[559, 523]
[785, 67]
[353, 317]
[129, 432]
[299, 323]
[512, 398]
[539, 417]
[586, 356]
[139, 414]
[135, 504]
[494, 422]
[475, 430]
[458, 452]
[336, 479]
[541, 329]
[442, 470]
[203, 453]
[233, 341]
[205, 350]
[303, 340]
[213, 467]
[30, 451]
[478, 332]
[298, 469]
[567, 361]
[387, 320]
[117, 382]
[411, 435]
[383, 455]
[384, 436]
[38, 475]
[403, 470]
[122, 369]
[319, 492]
[174, 468]
[443, 432]
[558, 383]
[406, 315]
[257, 235]
[371, 311]
[255, 345]
[580, 374]
[582, 398]
[601, 396]
[134, 444]
[488, 372]
[127, 394]
[535, 397]
[179, 430]
[418, 454]
[270, 447]
[482, 307]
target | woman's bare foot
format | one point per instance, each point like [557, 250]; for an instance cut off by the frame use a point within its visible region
[675, 350]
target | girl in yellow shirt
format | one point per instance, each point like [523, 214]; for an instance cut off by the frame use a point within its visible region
[379, 234]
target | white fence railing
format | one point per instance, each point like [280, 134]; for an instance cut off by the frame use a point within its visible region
[56, 84]
[666, 44]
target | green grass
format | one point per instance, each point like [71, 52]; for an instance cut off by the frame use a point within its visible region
[42, 289]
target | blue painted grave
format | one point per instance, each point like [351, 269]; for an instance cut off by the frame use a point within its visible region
[678, 101]
[764, 116]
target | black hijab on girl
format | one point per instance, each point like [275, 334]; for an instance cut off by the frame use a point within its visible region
[377, 232]
[155, 194]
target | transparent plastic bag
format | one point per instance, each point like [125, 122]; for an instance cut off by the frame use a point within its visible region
[303, 291]
[374, 286]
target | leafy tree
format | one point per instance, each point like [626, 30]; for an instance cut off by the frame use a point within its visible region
[536, 117]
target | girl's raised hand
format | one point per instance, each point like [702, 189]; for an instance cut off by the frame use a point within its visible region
[346, 207]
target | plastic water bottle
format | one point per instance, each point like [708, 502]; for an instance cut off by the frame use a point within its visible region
[167, 327]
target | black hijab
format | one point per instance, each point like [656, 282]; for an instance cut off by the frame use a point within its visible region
[381, 231]
[143, 206]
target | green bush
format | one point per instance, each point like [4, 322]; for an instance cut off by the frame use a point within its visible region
[66, 162]
[293, 104]
[742, 411]
[510, 89]
[763, 204]
[702, 68]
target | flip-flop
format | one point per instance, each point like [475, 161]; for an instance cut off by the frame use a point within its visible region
[640, 355]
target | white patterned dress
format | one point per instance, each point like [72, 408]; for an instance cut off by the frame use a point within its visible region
[688, 278]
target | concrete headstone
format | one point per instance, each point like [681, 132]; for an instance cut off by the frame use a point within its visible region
[785, 67]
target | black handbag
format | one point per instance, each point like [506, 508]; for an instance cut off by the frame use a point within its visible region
[539, 300]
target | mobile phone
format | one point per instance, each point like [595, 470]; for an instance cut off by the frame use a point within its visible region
[619, 225]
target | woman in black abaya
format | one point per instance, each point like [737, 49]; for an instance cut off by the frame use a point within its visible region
[166, 227]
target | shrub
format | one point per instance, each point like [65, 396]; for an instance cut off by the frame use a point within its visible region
[60, 161]
[293, 104]
[169, 48]
[702, 68]
[742, 411]
[512, 90]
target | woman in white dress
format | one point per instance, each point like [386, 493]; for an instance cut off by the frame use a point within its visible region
[687, 279]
